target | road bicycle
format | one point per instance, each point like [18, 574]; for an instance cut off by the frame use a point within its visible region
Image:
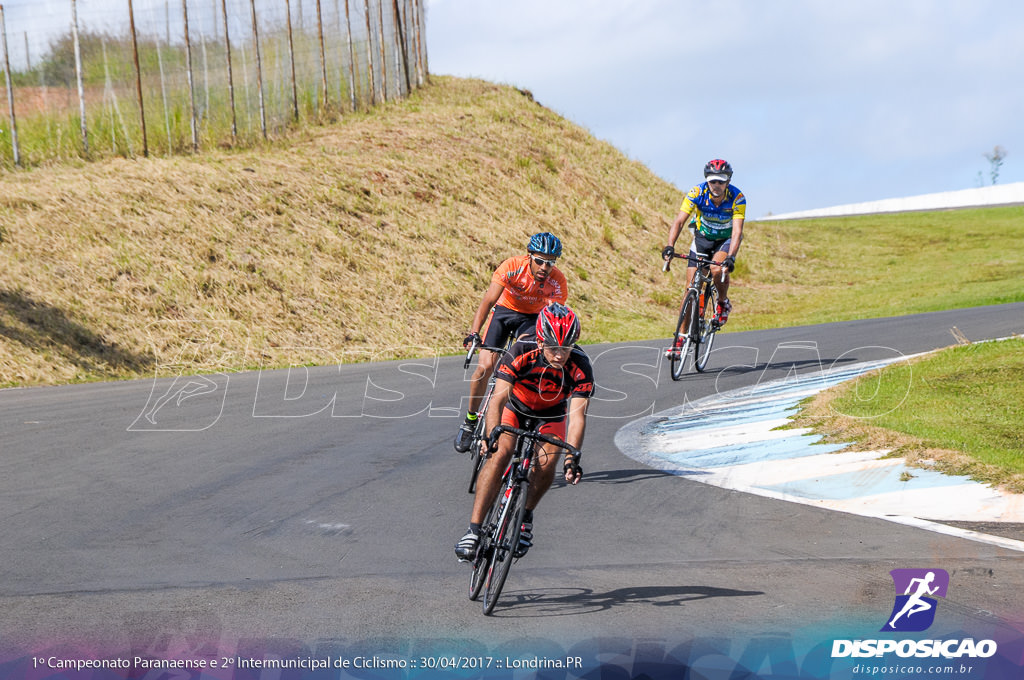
[697, 324]
[499, 532]
[476, 460]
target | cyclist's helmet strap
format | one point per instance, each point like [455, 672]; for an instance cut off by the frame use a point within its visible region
[557, 325]
[718, 167]
[545, 243]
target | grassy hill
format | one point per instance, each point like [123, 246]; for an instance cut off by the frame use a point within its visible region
[374, 237]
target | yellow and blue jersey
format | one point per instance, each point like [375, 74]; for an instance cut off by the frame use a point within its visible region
[715, 221]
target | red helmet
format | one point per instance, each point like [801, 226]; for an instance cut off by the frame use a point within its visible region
[718, 167]
[557, 325]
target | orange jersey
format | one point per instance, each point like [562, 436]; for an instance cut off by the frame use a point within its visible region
[522, 293]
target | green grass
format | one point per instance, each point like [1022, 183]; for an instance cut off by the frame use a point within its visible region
[961, 408]
[840, 269]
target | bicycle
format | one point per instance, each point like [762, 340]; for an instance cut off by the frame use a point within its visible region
[499, 532]
[697, 325]
[478, 432]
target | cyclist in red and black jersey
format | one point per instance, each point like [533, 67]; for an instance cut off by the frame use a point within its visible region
[550, 380]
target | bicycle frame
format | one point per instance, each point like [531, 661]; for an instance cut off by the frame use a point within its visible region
[694, 330]
[499, 536]
[478, 432]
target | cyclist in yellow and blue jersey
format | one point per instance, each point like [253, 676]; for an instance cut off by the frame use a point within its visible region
[718, 209]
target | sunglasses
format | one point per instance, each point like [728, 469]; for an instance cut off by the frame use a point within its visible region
[715, 181]
[541, 262]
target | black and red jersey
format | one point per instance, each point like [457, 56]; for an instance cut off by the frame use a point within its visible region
[540, 389]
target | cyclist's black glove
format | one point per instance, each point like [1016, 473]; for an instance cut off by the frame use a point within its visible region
[667, 252]
[571, 469]
[492, 440]
[729, 263]
[471, 339]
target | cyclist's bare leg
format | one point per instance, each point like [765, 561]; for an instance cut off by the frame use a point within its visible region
[716, 273]
[543, 474]
[489, 482]
[478, 383]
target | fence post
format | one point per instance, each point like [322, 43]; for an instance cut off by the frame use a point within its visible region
[259, 67]
[351, 59]
[421, 20]
[402, 48]
[369, 55]
[416, 28]
[78, 76]
[291, 61]
[10, 92]
[383, 54]
[231, 78]
[138, 79]
[323, 53]
[191, 84]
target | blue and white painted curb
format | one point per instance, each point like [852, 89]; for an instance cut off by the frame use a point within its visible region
[733, 440]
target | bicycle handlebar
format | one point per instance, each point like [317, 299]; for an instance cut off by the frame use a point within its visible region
[536, 436]
[697, 258]
[478, 344]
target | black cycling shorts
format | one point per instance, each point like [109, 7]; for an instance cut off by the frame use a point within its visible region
[505, 324]
[706, 248]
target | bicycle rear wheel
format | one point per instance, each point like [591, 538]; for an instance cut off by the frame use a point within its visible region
[683, 340]
[708, 328]
[505, 543]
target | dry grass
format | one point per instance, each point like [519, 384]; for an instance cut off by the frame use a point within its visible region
[371, 238]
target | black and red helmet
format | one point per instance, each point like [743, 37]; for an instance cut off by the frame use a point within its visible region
[721, 169]
[557, 326]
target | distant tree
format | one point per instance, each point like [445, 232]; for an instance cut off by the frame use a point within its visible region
[995, 161]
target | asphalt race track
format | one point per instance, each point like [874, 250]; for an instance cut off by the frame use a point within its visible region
[311, 510]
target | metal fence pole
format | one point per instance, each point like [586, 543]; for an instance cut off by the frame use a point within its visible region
[259, 68]
[78, 76]
[138, 78]
[231, 78]
[191, 84]
[291, 61]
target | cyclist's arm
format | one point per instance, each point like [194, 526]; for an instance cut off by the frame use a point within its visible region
[577, 425]
[677, 227]
[737, 236]
[491, 296]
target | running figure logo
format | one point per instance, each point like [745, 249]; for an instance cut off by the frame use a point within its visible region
[916, 590]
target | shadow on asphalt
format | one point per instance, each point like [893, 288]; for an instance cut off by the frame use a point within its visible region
[619, 476]
[576, 601]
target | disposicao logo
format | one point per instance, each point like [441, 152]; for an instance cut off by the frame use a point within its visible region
[916, 593]
[914, 611]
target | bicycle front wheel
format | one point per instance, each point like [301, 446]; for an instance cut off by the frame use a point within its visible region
[682, 341]
[505, 542]
[708, 327]
[482, 563]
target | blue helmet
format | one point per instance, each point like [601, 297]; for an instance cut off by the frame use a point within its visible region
[545, 244]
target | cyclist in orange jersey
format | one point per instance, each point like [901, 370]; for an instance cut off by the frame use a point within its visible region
[520, 288]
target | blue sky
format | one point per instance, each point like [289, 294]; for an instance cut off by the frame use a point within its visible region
[815, 103]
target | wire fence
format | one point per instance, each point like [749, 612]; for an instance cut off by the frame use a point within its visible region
[98, 78]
